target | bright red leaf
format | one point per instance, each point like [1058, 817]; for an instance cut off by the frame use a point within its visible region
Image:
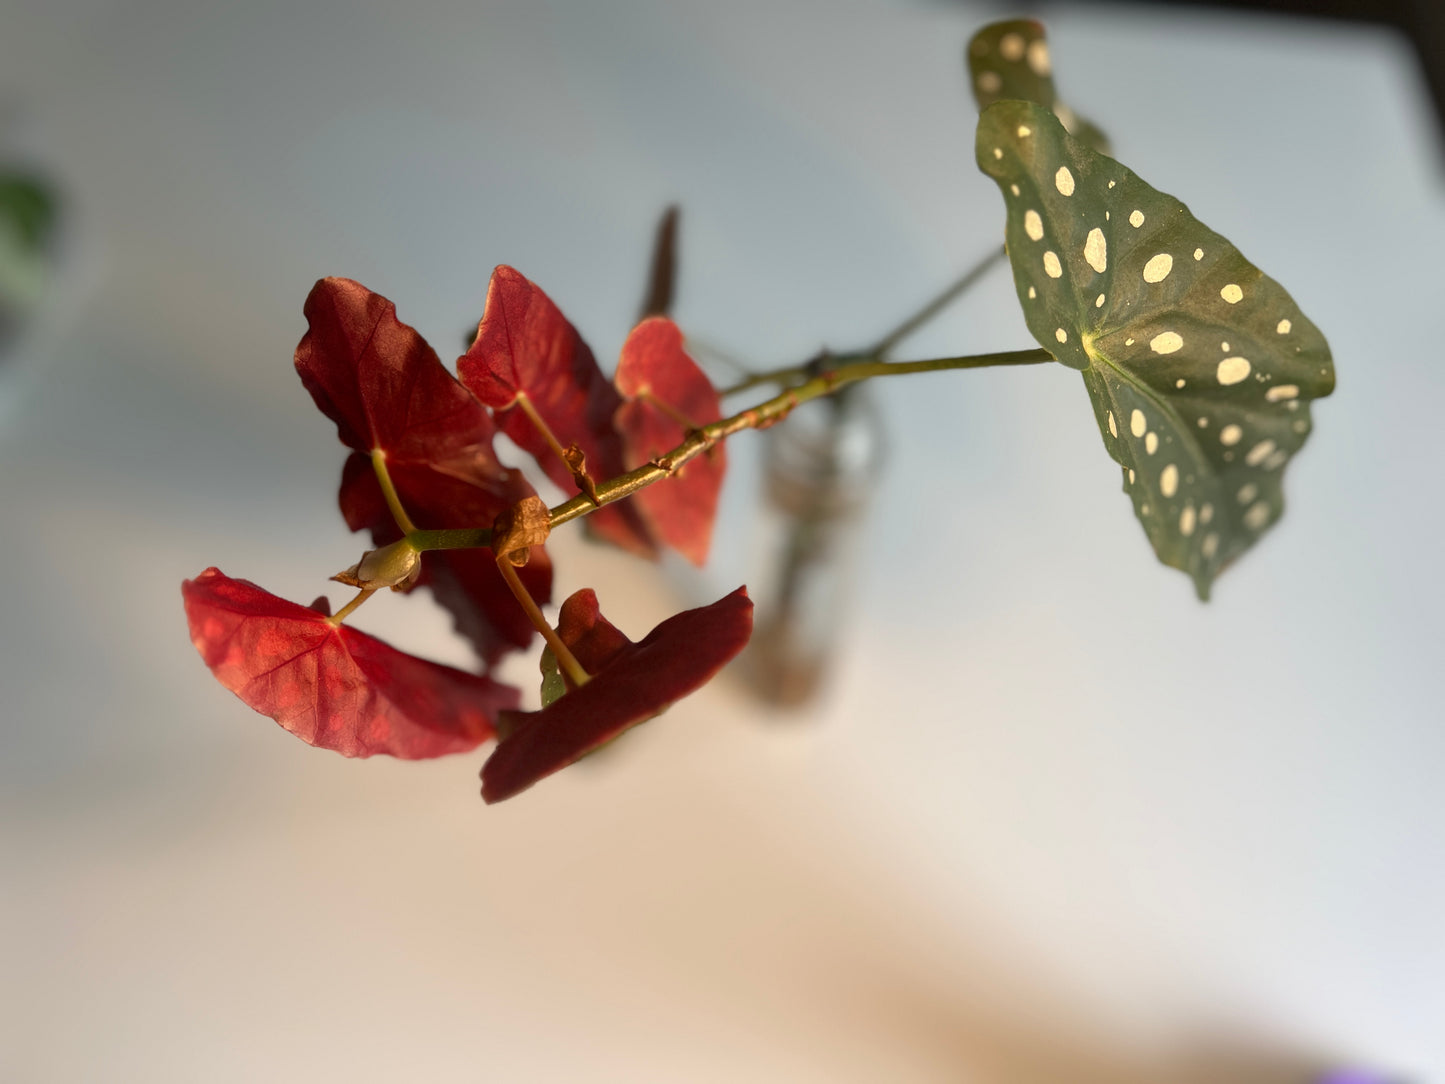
[631, 683]
[667, 395]
[389, 393]
[330, 685]
[526, 350]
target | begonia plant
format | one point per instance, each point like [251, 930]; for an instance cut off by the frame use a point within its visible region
[1200, 369]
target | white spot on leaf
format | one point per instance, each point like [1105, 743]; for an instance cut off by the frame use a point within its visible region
[1011, 46]
[1229, 435]
[1064, 181]
[1136, 219]
[1282, 328]
[1209, 546]
[1232, 370]
[1039, 62]
[1186, 521]
[1257, 516]
[1096, 251]
[1232, 293]
[1025, 131]
[1247, 492]
[989, 82]
[1113, 429]
[1259, 452]
[1099, 302]
[1052, 265]
[1199, 254]
[1281, 392]
[1138, 423]
[1158, 268]
[1033, 225]
[1151, 442]
[1166, 342]
[1061, 335]
[1169, 480]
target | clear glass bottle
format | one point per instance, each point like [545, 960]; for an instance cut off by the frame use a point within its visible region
[819, 468]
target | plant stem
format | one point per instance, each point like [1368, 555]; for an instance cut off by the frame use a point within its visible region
[542, 427]
[773, 411]
[937, 305]
[791, 375]
[565, 659]
[346, 611]
[766, 413]
[456, 538]
[879, 350]
[393, 502]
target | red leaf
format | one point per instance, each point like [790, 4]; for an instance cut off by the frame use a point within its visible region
[332, 686]
[667, 394]
[631, 684]
[526, 348]
[388, 392]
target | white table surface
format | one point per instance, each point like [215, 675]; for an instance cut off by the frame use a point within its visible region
[1054, 820]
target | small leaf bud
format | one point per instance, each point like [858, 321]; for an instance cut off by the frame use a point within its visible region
[396, 566]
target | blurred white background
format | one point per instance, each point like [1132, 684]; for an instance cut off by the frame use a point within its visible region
[1053, 821]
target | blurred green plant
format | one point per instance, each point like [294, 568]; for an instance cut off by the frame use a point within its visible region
[28, 212]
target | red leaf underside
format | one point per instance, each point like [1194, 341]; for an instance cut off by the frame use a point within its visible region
[632, 683]
[667, 393]
[387, 391]
[526, 347]
[382, 385]
[335, 687]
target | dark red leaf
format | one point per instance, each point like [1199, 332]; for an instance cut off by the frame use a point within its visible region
[668, 394]
[389, 393]
[383, 386]
[525, 348]
[332, 686]
[593, 640]
[631, 684]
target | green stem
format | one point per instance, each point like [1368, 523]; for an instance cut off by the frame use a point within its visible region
[794, 374]
[698, 441]
[773, 411]
[457, 538]
[783, 377]
[393, 502]
[540, 424]
[560, 651]
[346, 611]
[937, 305]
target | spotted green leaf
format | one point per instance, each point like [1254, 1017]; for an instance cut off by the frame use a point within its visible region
[1200, 367]
[1011, 60]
